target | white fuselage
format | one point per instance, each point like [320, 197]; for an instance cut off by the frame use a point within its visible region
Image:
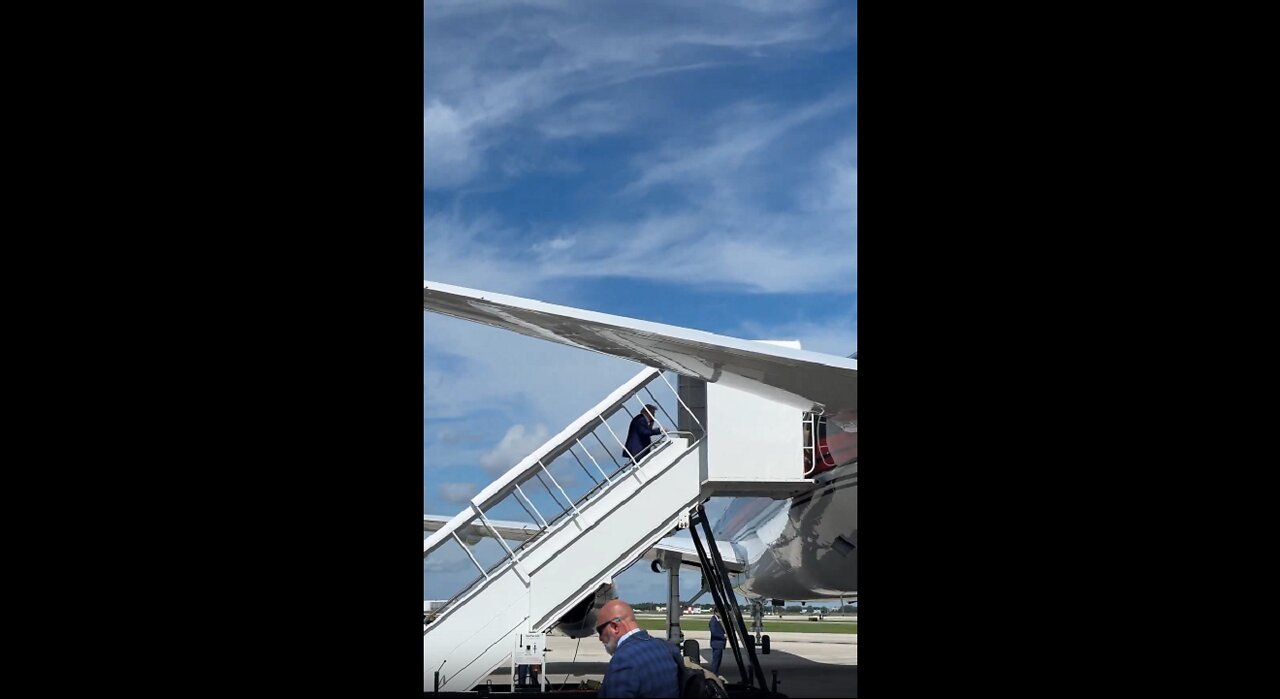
[802, 548]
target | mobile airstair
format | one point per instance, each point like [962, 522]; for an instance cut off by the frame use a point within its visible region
[528, 580]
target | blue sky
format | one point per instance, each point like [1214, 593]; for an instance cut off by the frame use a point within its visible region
[685, 163]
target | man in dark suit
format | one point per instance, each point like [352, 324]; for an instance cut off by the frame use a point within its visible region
[641, 666]
[717, 643]
[643, 429]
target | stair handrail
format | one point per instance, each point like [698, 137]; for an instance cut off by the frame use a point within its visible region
[531, 464]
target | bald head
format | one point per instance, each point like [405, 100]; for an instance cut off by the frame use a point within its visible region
[614, 620]
[615, 608]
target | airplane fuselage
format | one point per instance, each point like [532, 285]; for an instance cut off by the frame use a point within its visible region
[799, 549]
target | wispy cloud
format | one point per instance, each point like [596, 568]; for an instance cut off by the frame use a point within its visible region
[458, 492]
[741, 131]
[463, 436]
[516, 444]
[446, 562]
[510, 378]
[775, 252]
[447, 138]
[836, 334]
[492, 67]
[586, 119]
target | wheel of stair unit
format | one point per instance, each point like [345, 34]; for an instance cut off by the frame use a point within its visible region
[751, 642]
[691, 651]
[764, 644]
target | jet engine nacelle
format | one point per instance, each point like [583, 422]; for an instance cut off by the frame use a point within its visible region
[580, 621]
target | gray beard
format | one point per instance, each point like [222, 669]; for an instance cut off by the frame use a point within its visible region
[611, 647]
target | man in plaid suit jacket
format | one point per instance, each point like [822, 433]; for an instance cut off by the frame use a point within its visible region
[641, 666]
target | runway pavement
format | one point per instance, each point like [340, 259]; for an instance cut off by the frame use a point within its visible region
[808, 664]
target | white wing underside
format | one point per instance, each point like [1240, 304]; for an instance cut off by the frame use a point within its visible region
[522, 531]
[688, 554]
[510, 531]
[798, 378]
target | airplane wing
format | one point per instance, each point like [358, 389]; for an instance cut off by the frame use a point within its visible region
[795, 377]
[734, 562]
[511, 531]
[522, 531]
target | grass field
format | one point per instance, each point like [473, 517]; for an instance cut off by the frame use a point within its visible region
[696, 624]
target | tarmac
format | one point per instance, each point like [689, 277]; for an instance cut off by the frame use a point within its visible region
[807, 664]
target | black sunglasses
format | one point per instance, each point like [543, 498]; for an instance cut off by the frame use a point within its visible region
[600, 628]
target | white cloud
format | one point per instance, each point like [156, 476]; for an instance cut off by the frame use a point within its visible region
[749, 248]
[435, 564]
[838, 179]
[745, 130]
[458, 492]
[554, 245]
[747, 221]
[460, 252]
[586, 119]
[493, 67]
[516, 444]
[449, 158]
[522, 379]
[836, 334]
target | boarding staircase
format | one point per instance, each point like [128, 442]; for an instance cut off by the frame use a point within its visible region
[568, 554]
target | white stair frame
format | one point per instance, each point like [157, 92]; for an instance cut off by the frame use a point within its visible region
[474, 635]
[589, 542]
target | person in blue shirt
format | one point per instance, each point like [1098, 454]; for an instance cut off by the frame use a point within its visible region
[717, 643]
[643, 428]
[641, 665]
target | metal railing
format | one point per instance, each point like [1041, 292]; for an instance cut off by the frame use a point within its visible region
[812, 449]
[520, 489]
